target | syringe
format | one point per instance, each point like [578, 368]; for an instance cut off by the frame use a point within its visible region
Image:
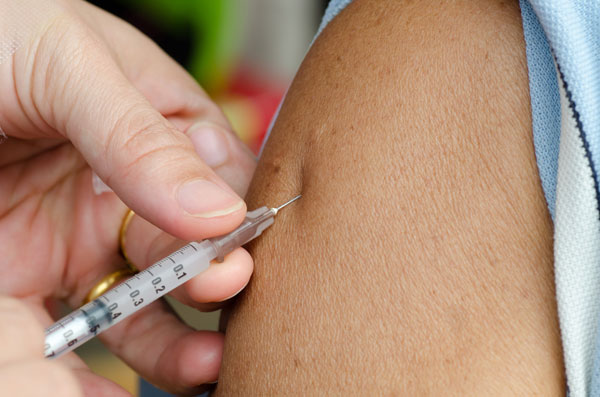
[147, 286]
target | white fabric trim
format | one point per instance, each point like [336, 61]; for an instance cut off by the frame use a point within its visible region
[576, 253]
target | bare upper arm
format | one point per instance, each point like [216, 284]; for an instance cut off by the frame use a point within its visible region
[419, 260]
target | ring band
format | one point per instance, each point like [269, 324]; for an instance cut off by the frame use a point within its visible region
[107, 282]
[122, 237]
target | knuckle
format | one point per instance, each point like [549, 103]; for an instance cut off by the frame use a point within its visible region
[139, 142]
[136, 131]
[60, 57]
[67, 62]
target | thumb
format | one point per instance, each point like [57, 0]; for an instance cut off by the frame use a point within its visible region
[151, 165]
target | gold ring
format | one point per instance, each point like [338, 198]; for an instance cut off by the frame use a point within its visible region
[122, 236]
[107, 283]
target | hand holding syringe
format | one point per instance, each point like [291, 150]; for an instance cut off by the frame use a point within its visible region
[147, 286]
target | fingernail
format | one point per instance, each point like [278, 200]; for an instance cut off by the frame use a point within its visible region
[233, 295]
[205, 199]
[211, 144]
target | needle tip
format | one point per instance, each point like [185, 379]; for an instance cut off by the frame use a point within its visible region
[287, 203]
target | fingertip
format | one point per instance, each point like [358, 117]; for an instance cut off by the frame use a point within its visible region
[224, 152]
[194, 227]
[222, 281]
[201, 198]
[197, 210]
[198, 369]
[194, 360]
[211, 143]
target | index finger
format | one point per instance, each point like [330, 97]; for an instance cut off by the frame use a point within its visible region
[165, 351]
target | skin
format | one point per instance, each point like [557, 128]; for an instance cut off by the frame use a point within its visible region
[79, 95]
[23, 368]
[419, 259]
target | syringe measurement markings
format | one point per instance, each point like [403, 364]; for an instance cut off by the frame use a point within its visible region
[180, 251]
[68, 332]
[124, 300]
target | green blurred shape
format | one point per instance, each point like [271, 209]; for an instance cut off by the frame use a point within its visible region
[216, 28]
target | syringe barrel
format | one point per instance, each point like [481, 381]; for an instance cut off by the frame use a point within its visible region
[255, 223]
[127, 298]
[76, 328]
[149, 285]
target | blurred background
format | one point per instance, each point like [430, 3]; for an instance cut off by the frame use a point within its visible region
[244, 53]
